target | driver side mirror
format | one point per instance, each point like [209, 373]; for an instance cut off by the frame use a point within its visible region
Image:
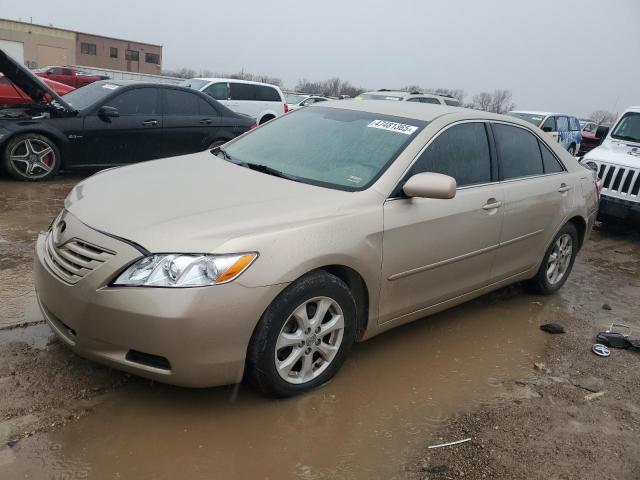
[547, 129]
[108, 112]
[430, 185]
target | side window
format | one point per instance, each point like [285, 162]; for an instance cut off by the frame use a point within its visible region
[55, 71]
[139, 101]
[549, 124]
[451, 102]
[462, 152]
[573, 124]
[206, 108]
[267, 94]
[432, 100]
[219, 91]
[67, 71]
[518, 152]
[243, 91]
[181, 103]
[563, 124]
[415, 99]
[549, 161]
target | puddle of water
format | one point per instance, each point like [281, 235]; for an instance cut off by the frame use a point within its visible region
[391, 394]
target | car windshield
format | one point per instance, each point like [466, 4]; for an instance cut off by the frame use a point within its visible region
[533, 118]
[194, 83]
[88, 95]
[295, 99]
[379, 96]
[331, 147]
[628, 128]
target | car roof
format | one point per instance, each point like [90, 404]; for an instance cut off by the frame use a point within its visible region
[633, 109]
[419, 111]
[235, 80]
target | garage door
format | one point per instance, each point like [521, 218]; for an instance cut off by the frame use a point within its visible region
[13, 49]
[52, 56]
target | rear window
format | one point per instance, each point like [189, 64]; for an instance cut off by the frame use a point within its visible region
[373, 96]
[452, 102]
[533, 118]
[194, 83]
[295, 99]
[181, 103]
[243, 91]
[518, 152]
[267, 94]
[574, 125]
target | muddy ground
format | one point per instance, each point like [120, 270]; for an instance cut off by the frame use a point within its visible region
[578, 417]
[534, 405]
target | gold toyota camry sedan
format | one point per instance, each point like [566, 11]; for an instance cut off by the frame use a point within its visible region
[266, 258]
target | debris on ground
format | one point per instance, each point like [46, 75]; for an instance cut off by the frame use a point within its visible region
[552, 328]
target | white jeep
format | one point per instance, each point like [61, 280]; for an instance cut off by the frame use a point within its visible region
[617, 161]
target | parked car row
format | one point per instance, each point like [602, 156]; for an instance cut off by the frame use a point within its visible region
[107, 123]
[69, 76]
[397, 95]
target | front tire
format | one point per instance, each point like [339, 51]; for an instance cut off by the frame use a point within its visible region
[31, 157]
[557, 262]
[303, 337]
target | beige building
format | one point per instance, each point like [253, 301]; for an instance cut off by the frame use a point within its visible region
[40, 46]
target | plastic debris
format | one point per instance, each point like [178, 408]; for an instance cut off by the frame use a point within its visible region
[450, 443]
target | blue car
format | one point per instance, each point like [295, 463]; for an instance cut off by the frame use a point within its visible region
[564, 128]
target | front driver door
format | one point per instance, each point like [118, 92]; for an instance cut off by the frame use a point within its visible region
[435, 250]
[135, 135]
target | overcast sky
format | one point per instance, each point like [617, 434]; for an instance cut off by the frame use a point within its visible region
[573, 56]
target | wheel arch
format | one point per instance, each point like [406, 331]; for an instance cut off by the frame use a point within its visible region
[57, 138]
[581, 227]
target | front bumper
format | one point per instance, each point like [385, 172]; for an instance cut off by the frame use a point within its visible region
[615, 207]
[203, 333]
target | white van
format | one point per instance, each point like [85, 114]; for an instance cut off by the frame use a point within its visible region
[262, 101]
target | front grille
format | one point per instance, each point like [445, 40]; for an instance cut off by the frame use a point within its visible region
[622, 182]
[74, 259]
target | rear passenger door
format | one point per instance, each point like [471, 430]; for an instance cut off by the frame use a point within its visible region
[190, 122]
[535, 187]
[434, 250]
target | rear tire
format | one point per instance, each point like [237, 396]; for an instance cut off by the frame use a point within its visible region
[557, 262]
[303, 337]
[31, 157]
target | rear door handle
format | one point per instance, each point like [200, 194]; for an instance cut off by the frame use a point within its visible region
[206, 121]
[492, 204]
[150, 123]
[564, 188]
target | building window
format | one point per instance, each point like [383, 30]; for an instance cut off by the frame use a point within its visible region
[152, 58]
[88, 48]
[113, 52]
[132, 55]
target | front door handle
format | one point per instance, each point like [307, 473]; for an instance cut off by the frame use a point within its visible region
[564, 188]
[206, 121]
[492, 204]
[150, 123]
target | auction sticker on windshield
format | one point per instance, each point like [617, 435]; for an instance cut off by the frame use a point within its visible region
[393, 126]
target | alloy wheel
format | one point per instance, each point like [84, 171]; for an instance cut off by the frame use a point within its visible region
[309, 340]
[559, 259]
[33, 158]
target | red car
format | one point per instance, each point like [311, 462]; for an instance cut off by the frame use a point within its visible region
[69, 76]
[11, 94]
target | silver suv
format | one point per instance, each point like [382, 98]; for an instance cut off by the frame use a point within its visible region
[399, 95]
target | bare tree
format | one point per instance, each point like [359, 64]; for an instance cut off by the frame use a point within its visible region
[482, 101]
[456, 93]
[331, 87]
[497, 102]
[413, 88]
[602, 116]
[502, 101]
[180, 73]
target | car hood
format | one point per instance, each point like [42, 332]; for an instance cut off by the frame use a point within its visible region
[196, 203]
[31, 84]
[616, 152]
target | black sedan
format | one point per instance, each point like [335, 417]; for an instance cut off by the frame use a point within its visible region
[107, 123]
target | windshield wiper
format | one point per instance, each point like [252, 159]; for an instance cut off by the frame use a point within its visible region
[627, 138]
[269, 171]
[254, 166]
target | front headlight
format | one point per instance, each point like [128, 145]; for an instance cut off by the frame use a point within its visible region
[185, 270]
